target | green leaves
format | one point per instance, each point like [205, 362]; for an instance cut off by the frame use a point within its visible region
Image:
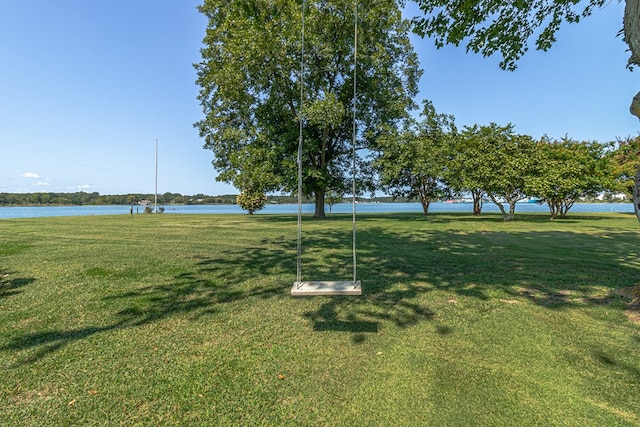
[494, 26]
[414, 163]
[325, 114]
[251, 200]
[511, 167]
[494, 160]
[565, 171]
[250, 79]
[625, 160]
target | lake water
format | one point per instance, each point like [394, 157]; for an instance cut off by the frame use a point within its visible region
[47, 211]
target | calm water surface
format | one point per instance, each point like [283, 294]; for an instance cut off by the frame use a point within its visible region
[47, 211]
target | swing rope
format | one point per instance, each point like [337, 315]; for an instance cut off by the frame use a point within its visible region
[353, 142]
[299, 266]
[299, 282]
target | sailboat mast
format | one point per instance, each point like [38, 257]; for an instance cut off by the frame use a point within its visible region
[156, 191]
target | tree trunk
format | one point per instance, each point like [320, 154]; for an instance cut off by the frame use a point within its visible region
[512, 210]
[425, 201]
[553, 208]
[424, 189]
[631, 27]
[477, 201]
[319, 212]
[500, 206]
[566, 205]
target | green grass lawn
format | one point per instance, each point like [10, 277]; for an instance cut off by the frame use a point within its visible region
[187, 320]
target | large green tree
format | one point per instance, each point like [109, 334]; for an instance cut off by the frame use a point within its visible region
[498, 162]
[468, 169]
[507, 26]
[625, 163]
[413, 163]
[250, 79]
[565, 171]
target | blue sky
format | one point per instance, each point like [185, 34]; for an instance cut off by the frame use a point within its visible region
[86, 87]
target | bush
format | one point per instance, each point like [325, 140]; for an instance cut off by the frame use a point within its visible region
[251, 200]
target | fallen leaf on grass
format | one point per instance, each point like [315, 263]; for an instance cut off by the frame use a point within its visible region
[71, 402]
[280, 376]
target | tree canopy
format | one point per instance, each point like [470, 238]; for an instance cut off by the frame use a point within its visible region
[495, 26]
[625, 159]
[429, 159]
[413, 163]
[251, 201]
[503, 163]
[567, 170]
[506, 27]
[250, 79]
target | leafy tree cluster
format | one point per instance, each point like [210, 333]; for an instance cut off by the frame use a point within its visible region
[265, 81]
[430, 159]
[413, 163]
[625, 158]
[77, 198]
[567, 171]
[506, 27]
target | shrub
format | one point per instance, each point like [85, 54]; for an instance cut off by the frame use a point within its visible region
[251, 200]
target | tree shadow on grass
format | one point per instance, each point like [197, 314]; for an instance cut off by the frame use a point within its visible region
[10, 285]
[46, 342]
[611, 361]
[213, 282]
[362, 315]
[486, 217]
[554, 269]
[566, 267]
[228, 276]
[326, 319]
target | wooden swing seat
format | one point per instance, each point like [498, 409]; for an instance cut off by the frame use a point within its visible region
[326, 287]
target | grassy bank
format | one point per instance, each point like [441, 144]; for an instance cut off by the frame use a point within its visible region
[187, 320]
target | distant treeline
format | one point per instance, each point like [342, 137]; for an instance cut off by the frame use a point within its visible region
[83, 198]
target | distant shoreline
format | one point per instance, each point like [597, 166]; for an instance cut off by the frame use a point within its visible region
[176, 199]
[307, 209]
